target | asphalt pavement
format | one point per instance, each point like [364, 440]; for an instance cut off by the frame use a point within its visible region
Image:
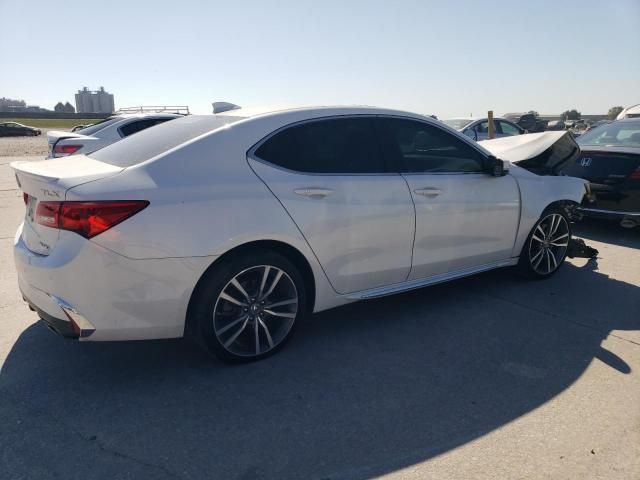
[487, 377]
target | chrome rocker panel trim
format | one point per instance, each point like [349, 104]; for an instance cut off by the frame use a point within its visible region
[423, 282]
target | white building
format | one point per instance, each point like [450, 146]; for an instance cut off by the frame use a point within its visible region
[88, 101]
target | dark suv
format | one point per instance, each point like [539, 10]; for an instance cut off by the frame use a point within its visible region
[528, 121]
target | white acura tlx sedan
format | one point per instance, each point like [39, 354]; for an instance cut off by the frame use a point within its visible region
[232, 227]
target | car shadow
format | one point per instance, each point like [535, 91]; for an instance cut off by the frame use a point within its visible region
[360, 391]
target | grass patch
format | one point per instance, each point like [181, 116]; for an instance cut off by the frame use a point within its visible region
[51, 122]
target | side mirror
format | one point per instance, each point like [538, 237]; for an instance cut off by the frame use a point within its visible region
[497, 167]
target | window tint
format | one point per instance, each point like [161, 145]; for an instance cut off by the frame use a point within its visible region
[508, 129]
[135, 127]
[419, 147]
[337, 146]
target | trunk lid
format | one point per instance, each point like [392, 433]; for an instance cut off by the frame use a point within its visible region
[607, 165]
[48, 181]
[54, 136]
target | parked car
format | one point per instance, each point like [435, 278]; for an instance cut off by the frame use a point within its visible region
[610, 161]
[101, 134]
[13, 129]
[478, 128]
[555, 125]
[629, 112]
[232, 227]
[80, 127]
[527, 121]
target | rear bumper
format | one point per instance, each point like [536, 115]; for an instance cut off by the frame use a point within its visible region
[72, 324]
[84, 291]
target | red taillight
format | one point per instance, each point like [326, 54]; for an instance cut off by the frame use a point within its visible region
[636, 174]
[87, 218]
[61, 150]
[25, 197]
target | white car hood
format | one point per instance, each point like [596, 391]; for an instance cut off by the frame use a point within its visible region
[522, 147]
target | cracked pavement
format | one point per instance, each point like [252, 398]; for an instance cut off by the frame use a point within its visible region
[486, 377]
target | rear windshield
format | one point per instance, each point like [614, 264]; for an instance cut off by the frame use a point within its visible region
[156, 140]
[91, 129]
[619, 134]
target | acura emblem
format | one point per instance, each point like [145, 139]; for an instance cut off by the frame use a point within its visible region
[585, 161]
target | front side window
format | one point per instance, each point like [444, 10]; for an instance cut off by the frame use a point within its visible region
[509, 129]
[329, 146]
[422, 148]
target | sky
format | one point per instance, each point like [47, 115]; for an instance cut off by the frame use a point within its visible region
[443, 57]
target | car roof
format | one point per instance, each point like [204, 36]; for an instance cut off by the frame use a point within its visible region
[313, 110]
[146, 114]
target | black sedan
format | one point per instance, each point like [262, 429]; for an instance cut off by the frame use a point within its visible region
[13, 129]
[610, 160]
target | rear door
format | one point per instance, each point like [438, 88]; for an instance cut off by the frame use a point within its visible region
[465, 218]
[354, 210]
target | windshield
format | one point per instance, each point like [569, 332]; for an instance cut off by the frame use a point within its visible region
[154, 141]
[458, 123]
[619, 134]
[91, 129]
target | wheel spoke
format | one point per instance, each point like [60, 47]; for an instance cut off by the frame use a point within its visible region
[257, 335]
[237, 334]
[544, 234]
[559, 244]
[560, 237]
[533, 259]
[230, 325]
[536, 238]
[264, 281]
[273, 285]
[282, 303]
[241, 289]
[540, 256]
[280, 314]
[230, 299]
[266, 332]
[555, 222]
[553, 257]
[548, 262]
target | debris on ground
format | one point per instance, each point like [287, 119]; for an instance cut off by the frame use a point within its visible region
[578, 249]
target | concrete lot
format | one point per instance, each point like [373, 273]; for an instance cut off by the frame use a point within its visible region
[487, 377]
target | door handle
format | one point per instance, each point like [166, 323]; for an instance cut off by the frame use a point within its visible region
[313, 192]
[428, 192]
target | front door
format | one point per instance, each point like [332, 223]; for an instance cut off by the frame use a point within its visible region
[465, 218]
[355, 212]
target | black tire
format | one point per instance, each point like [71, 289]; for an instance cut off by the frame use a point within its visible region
[207, 306]
[527, 263]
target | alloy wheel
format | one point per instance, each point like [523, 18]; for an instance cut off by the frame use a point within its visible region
[255, 311]
[549, 242]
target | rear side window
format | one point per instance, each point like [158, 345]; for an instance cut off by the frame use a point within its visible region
[139, 125]
[330, 146]
[422, 148]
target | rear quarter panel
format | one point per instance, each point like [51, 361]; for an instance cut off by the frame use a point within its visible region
[204, 201]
